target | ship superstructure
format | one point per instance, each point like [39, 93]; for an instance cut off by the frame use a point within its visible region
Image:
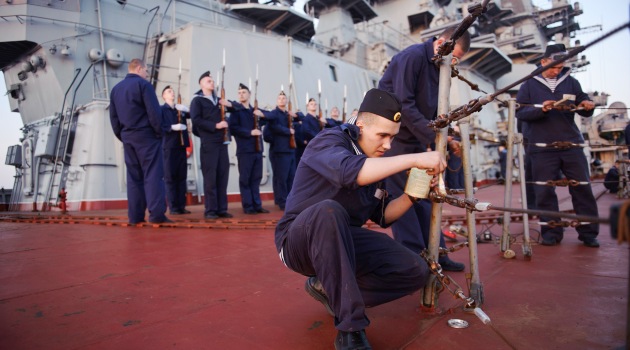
[61, 58]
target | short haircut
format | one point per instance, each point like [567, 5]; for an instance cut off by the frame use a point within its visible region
[135, 63]
[463, 41]
[367, 118]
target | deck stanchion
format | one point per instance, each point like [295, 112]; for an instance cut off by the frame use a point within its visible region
[509, 159]
[527, 244]
[430, 295]
[476, 289]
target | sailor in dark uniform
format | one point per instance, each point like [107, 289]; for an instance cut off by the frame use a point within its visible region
[547, 125]
[333, 120]
[283, 161]
[339, 186]
[205, 113]
[136, 119]
[310, 125]
[413, 77]
[242, 121]
[174, 146]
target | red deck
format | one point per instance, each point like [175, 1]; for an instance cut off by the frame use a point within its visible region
[107, 286]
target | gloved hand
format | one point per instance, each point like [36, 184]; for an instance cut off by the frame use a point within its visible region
[182, 108]
[178, 127]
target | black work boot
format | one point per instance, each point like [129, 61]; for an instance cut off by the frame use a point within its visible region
[352, 340]
[315, 289]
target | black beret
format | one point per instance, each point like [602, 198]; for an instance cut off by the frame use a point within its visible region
[165, 88]
[242, 86]
[382, 103]
[553, 49]
[206, 74]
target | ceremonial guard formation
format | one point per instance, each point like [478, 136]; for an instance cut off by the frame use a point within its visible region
[137, 121]
[339, 186]
[554, 88]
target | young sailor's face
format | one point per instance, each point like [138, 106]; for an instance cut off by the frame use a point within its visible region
[311, 106]
[243, 95]
[551, 72]
[207, 83]
[168, 95]
[376, 137]
[281, 101]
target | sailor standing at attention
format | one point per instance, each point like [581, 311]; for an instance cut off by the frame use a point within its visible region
[215, 166]
[174, 144]
[283, 161]
[137, 121]
[339, 186]
[250, 156]
[310, 125]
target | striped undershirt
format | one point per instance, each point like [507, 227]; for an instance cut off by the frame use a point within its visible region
[552, 83]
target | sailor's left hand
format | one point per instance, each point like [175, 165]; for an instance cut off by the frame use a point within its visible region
[587, 105]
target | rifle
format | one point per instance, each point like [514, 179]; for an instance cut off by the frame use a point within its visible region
[179, 101]
[226, 138]
[289, 118]
[319, 103]
[256, 126]
[343, 114]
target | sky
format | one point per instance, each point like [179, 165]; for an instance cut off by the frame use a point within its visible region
[608, 72]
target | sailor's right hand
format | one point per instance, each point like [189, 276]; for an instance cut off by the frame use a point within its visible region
[178, 127]
[222, 125]
[256, 132]
[433, 161]
[258, 113]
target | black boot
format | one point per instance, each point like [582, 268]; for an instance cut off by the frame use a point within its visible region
[352, 340]
[450, 265]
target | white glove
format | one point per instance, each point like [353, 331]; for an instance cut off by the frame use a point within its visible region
[182, 108]
[178, 127]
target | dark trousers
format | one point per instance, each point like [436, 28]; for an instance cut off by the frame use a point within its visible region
[249, 176]
[357, 267]
[454, 174]
[215, 167]
[145, 178]
[175, 173]
[283, 167]
[529, 187]
[572, 163]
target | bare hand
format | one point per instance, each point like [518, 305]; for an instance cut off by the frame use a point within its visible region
[225, 103]
[256, 132]
[258, 113]
[587, 105]
[456, 147]
[547, 106]
[292, 131]
[222, 125]
[434, 162]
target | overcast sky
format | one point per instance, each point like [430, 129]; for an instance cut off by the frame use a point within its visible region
[608, 72]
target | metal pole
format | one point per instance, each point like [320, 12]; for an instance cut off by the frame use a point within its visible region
[509, 158]
[429, 297]
[476, 289]
[527, 245]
